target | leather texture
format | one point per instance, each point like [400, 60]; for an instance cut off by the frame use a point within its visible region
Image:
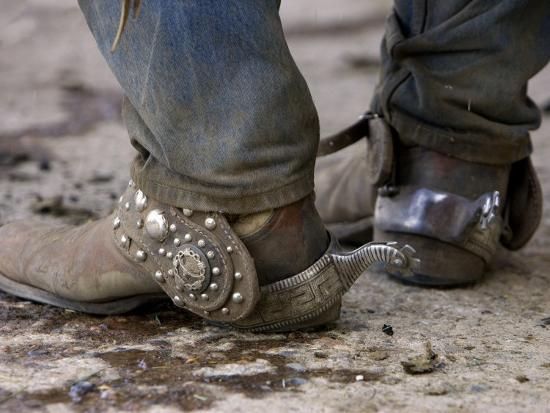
[344, 198]
[77, 263]
[194, 256]
[524, 205]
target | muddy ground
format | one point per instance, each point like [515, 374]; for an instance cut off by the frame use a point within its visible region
[64, 156]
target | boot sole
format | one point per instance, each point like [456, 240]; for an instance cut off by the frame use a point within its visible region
[441, 264]
[114, 307]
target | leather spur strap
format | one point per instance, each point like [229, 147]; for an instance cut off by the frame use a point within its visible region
[380, 150]
[346, 137]
[195, 256]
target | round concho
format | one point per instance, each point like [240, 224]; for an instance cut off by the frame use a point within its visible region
[191, 269]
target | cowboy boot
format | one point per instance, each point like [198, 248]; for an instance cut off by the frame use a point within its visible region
[455, 213]
[276, 270]
[344, 198]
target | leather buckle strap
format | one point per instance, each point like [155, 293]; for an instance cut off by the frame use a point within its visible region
[380, 147]
[348, 136]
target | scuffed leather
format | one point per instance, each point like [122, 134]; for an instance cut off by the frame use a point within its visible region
[77, 263]
[524, 206]
[343, 194]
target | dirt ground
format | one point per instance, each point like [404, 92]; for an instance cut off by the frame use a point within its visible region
[64, 156]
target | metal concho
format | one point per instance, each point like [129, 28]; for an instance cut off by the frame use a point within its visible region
[191, 269]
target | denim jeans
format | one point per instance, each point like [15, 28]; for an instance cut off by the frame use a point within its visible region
[220, 114]
[223, 120]
[455, 72]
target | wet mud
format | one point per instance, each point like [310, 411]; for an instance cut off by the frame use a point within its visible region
[162, 374]
[489, 349]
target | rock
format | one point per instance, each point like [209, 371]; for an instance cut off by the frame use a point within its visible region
[44, 164]
[294, 381]
[387, 329]
[80, 389]
[522, 378]
[424, 363]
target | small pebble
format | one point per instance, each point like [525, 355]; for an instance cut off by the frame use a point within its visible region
[44, 165]
[295, 381]
[359, 377]
[80, 389]
[388, 329]
[522, 378]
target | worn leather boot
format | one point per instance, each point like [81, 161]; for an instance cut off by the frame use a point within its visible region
[453, 212]
[344, 198]
[277, 270]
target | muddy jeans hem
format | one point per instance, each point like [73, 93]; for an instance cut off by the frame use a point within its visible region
[179, 195]
[466, 146]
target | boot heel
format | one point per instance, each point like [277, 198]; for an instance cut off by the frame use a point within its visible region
[441, 264]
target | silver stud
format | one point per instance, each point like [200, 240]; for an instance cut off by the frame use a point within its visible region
[127, 206]
[229, 249]
[237, 298]
[177, 300]
[177, 242]
[121, 199]
[216, 271]
[204, 297]
[398, 262]
[124, 241]
[116, 223]
[201, 243]
[206, 312]
[162, 252]
[131, 183]
[156, 225]
[187, 212]
[139, 223]
[169, 254]
[170, 272]
[238, 276]
[225, 310]
[210, 254]
[192, 296]
[210, 223]
[188, 238]
[173, 228]
[214, 287]
[141, 255]
[159, 276]
[141, 200]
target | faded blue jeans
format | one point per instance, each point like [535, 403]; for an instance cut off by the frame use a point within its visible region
[223, 120]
